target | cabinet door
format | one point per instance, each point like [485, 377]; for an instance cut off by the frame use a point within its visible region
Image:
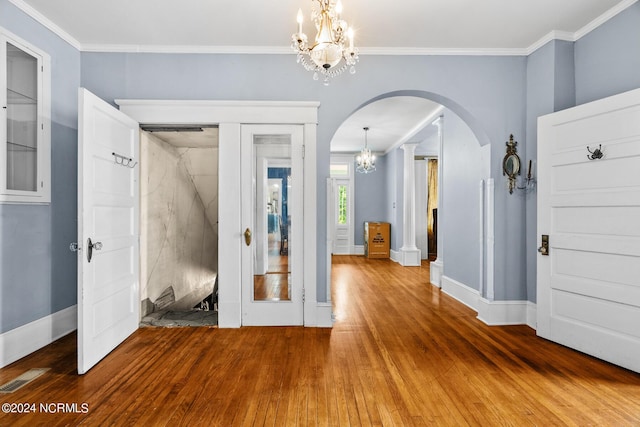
[22, 120]
[24, 134]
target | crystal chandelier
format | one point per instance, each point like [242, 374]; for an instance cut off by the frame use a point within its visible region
[331, 54]
[366, 161]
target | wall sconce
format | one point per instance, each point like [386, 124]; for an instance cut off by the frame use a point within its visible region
[511, 163]
[529, 182]
[511, 168]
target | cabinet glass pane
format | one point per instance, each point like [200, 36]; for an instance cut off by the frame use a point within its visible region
[22, 120]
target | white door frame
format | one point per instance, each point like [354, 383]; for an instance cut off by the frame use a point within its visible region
[230, 115]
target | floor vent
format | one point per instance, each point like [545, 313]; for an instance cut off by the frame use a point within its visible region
[22, 380]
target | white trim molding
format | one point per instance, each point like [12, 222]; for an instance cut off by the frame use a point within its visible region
[435, 273]
[492, 313]
[395, 256]
[324, 315]
[358, 250]
[279, 50]
[24, 340]
[461, 292]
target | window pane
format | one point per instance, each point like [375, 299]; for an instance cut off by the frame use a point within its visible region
[22, 120]
[339, 170]
[342, 204]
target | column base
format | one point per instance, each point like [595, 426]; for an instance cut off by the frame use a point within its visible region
[410, 257]
[435, 271]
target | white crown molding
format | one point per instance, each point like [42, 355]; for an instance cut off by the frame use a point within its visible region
[245, 50]
[418, 51]
[46, 22]
[620, 7]
[280, 50]
[417, 128]
[552, 35]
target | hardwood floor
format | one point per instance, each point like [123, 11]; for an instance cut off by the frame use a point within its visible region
[401, 353]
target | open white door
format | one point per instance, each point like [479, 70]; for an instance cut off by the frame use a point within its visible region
[108, 229]
[272, 294]
[589, 207]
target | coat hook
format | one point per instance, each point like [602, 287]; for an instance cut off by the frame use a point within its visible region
[121, 160]
[595, 154]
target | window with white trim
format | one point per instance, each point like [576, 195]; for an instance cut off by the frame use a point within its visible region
[25, 137]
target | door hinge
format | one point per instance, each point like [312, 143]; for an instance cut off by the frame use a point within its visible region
[303, 295]
[303, 151]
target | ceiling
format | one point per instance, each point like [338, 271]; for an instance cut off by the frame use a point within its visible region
[497, 27]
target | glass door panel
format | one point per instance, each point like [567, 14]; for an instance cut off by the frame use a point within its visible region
[22, 120]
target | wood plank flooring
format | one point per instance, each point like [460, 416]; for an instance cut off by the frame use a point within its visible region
[401, 353]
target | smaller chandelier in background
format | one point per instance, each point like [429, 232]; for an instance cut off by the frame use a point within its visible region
[366, 160]
[333, 51]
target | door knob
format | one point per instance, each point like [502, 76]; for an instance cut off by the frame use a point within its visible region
[544, 249]
[91, 247]
[247, 236]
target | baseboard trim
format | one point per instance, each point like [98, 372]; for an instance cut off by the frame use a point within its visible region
[532, 315]
[492, 313]
[324, 315]
[435, 273]
[358, 250]
[395, 256]
[461, 292]
[24, 340]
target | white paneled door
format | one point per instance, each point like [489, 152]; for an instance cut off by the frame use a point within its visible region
[589, 207]
[108, 229]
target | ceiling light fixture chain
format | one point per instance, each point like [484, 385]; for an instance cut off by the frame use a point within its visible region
[366, 161]
[333, 51]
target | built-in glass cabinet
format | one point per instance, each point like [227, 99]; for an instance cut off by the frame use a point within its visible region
[25, 144]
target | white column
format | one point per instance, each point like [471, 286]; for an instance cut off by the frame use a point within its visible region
[436, 268]
[409, 252]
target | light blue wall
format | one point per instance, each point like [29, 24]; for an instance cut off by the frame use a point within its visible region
[550, 88]
[459, 223]
[370, 198]
[607, 59]
[37, 270]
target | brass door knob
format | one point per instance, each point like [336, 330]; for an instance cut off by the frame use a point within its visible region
[247, 236]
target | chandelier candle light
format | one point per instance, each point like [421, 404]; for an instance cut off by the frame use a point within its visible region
[331, 54]
[366, 161]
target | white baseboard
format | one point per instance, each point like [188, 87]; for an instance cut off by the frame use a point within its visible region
[532, 315]
[493, 313]
[461, 292]
[435, 273]
[24, 340]
[358, 250]
[395, 256]
[499, 313]
[324, 315]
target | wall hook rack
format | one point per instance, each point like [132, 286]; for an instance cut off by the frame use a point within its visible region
[121, 160]
[595, 154]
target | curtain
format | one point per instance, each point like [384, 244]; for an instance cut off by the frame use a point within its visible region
[432, 203]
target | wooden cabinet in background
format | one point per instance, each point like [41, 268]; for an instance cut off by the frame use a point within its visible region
[377, 239]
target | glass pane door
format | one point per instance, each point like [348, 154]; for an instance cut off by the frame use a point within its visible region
[272, 216]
